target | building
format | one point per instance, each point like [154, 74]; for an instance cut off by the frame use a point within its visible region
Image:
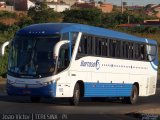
[59, 7]
[151, 21]
[106, 7]
[24, 5]
[30, 4]
[5, 7]
[21, 5]
[69, 2]
[153, 9]
[47, 0]
[80, 1]
[131, 8]
[84, 5]
[146, 23]
[2, 4]
[157, 9]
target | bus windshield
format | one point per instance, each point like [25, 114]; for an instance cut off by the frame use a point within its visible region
[32, 55]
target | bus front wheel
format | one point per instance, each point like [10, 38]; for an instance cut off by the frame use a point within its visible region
[132, 99]
[76, 95]
[35, 99]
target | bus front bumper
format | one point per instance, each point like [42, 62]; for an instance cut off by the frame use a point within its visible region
[44, 91]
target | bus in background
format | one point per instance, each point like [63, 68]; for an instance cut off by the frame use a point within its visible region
[68, 60]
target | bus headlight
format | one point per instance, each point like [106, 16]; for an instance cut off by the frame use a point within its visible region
[11, 82]
[51, 82]
[56, 80]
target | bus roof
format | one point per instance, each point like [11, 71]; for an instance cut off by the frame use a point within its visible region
[59, 28]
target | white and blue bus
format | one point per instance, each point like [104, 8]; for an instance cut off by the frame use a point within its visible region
[67, 60]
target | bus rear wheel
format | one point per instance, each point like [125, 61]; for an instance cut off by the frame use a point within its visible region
[132, 99]
[76, 95]
[35, 99]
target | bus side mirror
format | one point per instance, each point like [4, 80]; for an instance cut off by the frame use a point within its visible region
[3, 47]
[56, 52]
[57, 47]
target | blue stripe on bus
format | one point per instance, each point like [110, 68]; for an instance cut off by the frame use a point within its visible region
[154, 66]
[107, 90]
[154, 63]
[45, 91]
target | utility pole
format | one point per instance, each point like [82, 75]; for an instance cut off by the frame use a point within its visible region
[128, 19]
[14, 5]
[122, 6]
[56, 5]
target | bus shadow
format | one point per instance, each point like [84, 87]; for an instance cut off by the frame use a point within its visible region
[59, 102]
[83, 101]
[15, 99]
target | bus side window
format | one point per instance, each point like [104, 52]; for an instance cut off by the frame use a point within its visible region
[104, 47]
[125, 50]
[136, 52]
[151, 52]
[89, 45]
[117, 48]
[114, 48]
[131, 50]
[142, 52]
[83, 47]
[64, 59]
[93, 46]
[97, 49]
[110, 48]
[84, 39]
[74, 38]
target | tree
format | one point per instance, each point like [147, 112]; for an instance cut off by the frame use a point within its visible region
[41, 13]
[113, 19]
[91, 16]
[25, 21]
[100, 2]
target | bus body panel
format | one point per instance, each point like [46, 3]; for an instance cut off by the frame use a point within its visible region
[116, 71]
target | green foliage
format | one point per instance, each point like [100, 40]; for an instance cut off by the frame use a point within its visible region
[142, 29]
[111, 20]
[8, 31]
[25, 21]
[41, 13]
[6, 14]
[3, 65]
[91, 16]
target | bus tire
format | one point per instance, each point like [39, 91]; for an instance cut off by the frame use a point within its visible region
[132, 99]
[76, 95]
[35, 99]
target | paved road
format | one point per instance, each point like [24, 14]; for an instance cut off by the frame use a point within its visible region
[87, 109]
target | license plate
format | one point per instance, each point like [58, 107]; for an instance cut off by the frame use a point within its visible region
[26, 92]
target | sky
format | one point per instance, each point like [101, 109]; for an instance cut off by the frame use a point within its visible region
[132, 2]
